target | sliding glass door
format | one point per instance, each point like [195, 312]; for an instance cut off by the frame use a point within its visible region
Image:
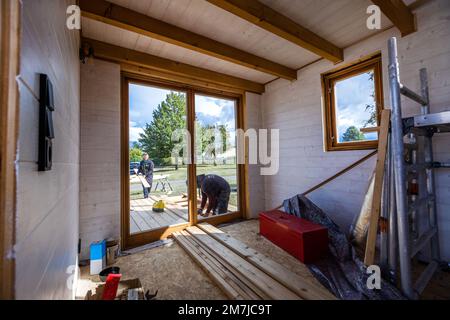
[216, 156]
[179, 160]
[158, 174]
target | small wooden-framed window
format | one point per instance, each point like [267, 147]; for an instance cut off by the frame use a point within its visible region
[353, 100]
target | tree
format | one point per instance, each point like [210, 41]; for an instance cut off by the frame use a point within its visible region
[352, 134]
[214, 139]
[372, 121]
[169, 116]
[135, 145]
[135, 154]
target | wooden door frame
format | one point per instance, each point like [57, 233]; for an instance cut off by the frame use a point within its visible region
[128, 240]
[10, 12]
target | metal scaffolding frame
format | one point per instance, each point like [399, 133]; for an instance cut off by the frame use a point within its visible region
[402, 205]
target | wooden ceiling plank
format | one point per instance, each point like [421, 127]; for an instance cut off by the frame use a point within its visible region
[399, 14]
[131, 57]
[265, 17]
[125, 18]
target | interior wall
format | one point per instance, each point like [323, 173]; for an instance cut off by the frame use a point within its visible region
[99, 153]
[296, 109]
[255, 180]
[47, 202]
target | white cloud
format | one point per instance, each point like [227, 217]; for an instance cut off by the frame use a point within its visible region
[134, 133]
[208, 108]
[353, 95]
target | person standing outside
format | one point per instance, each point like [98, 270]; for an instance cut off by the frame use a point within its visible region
[146, 167]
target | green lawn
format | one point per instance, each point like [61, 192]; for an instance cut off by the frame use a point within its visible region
[178, 179]
[181, 173]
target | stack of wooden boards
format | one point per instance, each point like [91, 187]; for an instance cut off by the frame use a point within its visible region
[243, 273]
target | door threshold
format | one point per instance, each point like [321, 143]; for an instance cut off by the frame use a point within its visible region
[152, 245]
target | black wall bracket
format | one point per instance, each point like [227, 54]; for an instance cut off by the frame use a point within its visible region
[46, 131]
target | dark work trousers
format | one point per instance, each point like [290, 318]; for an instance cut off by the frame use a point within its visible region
[222, 202]
[147, 190]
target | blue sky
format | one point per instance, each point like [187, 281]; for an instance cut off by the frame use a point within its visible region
[352, 96]
[210, 110]
[145, 99]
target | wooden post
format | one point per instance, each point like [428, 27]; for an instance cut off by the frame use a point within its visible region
[377, 192]
[10, 29]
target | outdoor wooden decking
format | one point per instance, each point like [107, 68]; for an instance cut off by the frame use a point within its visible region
[142, 218]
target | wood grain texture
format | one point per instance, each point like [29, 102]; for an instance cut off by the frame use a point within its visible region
[48, 202]
[125, 18]
[272, 21]
[197, 285]
[302, 287]
[123, 55]
[208, 264]
[295, 108]
[265, 283]
[205, 19]
[99, 155]
[10, 12]
[378, 186]
[399, 13]
[162, 76]
[141, 238]
[146, 219]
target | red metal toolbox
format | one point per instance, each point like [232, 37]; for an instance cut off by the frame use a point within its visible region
[301, 238]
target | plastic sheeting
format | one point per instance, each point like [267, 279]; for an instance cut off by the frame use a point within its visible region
[360, 226]
[342, 272]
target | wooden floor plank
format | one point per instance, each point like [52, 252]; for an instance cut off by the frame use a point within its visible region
[267, 284]
[170, 216]
[241, 284]
[235, 270]
[142, 225]
[146, 219]
[147, 205]
[289, 279]
[165, 219]
[202, 262]
[221, 269]
[133, 225]
[143, 213]
[174, 208]
[149, 218]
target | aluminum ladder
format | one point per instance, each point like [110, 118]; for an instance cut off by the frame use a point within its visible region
[403, 206]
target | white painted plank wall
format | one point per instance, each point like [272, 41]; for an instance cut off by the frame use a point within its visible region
[99, 153]
[296, 109]
[255, 180]
[47, 202]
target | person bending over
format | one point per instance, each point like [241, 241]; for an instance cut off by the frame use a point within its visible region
[216, 190]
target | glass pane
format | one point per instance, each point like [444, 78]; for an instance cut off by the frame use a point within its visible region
[217, 170]
[355, 107]
[158, 172]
